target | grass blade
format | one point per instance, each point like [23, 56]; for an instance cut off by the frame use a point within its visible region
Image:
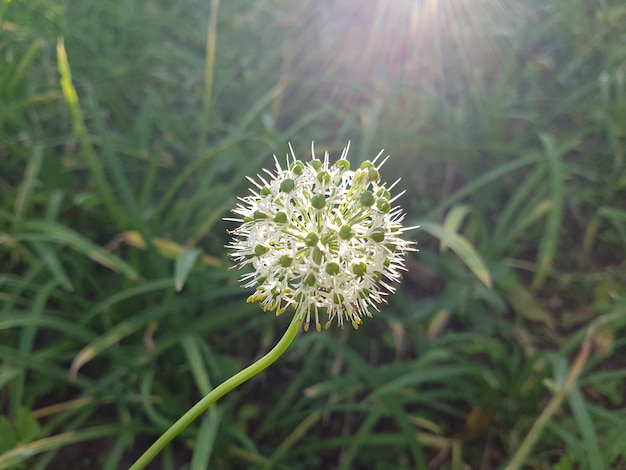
[23, 451]
[300, 431]
[29, 183]
[547, 248]
[51, 260]
[484, 180]
[211, 43]
[78, 122]
[193, 355]
[393, 407]
[453, 222]
[112, 337]
[359, 439]
[516, 202]
[205, 440]
[184, 264]
[462, 248]
[586, 428]
[50, 231]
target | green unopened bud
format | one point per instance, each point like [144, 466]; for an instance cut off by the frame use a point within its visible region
[359, 268]
[287, 185]
[345, 232]
[260, 250]
[323, 177]
[309, 280]
[297, 167]
[367, 199]
[247, 218]
[280, 218]
[258, 215]
[378, 235]
[332, 269]
[265, 191]
[384, 193]
[285, 261]
[343, 165]
[311, 239]
[316, 164]
[383, 205]
[318, 201]
[373, 175]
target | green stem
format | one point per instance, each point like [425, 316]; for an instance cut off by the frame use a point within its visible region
[217, 393]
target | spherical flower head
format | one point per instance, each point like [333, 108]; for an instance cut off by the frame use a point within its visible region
[321, 238]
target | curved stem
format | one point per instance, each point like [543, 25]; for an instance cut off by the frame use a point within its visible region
[217, 393]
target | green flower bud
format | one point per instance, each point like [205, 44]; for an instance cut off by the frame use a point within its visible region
[332, 268]
[260, 250]
[384, 193]
[359, 268]
[373, 175]
[318, 201]
[297, 167]
[367, 199]
[383, 205]
[309, 280]
[287, 185]
[345, 232]
[316, 164]
[285, 261]
[378, 235]
[338, 298]
[343, 165]
[311, 239]
[323, 177]
[280, 218]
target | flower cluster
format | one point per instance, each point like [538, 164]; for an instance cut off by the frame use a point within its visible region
[320, 238]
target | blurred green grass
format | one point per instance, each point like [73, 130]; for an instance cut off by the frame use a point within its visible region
[123, 143]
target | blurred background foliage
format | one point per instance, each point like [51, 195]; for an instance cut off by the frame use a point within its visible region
[126, 132]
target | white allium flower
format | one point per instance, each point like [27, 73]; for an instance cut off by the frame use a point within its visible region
[320, 237]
